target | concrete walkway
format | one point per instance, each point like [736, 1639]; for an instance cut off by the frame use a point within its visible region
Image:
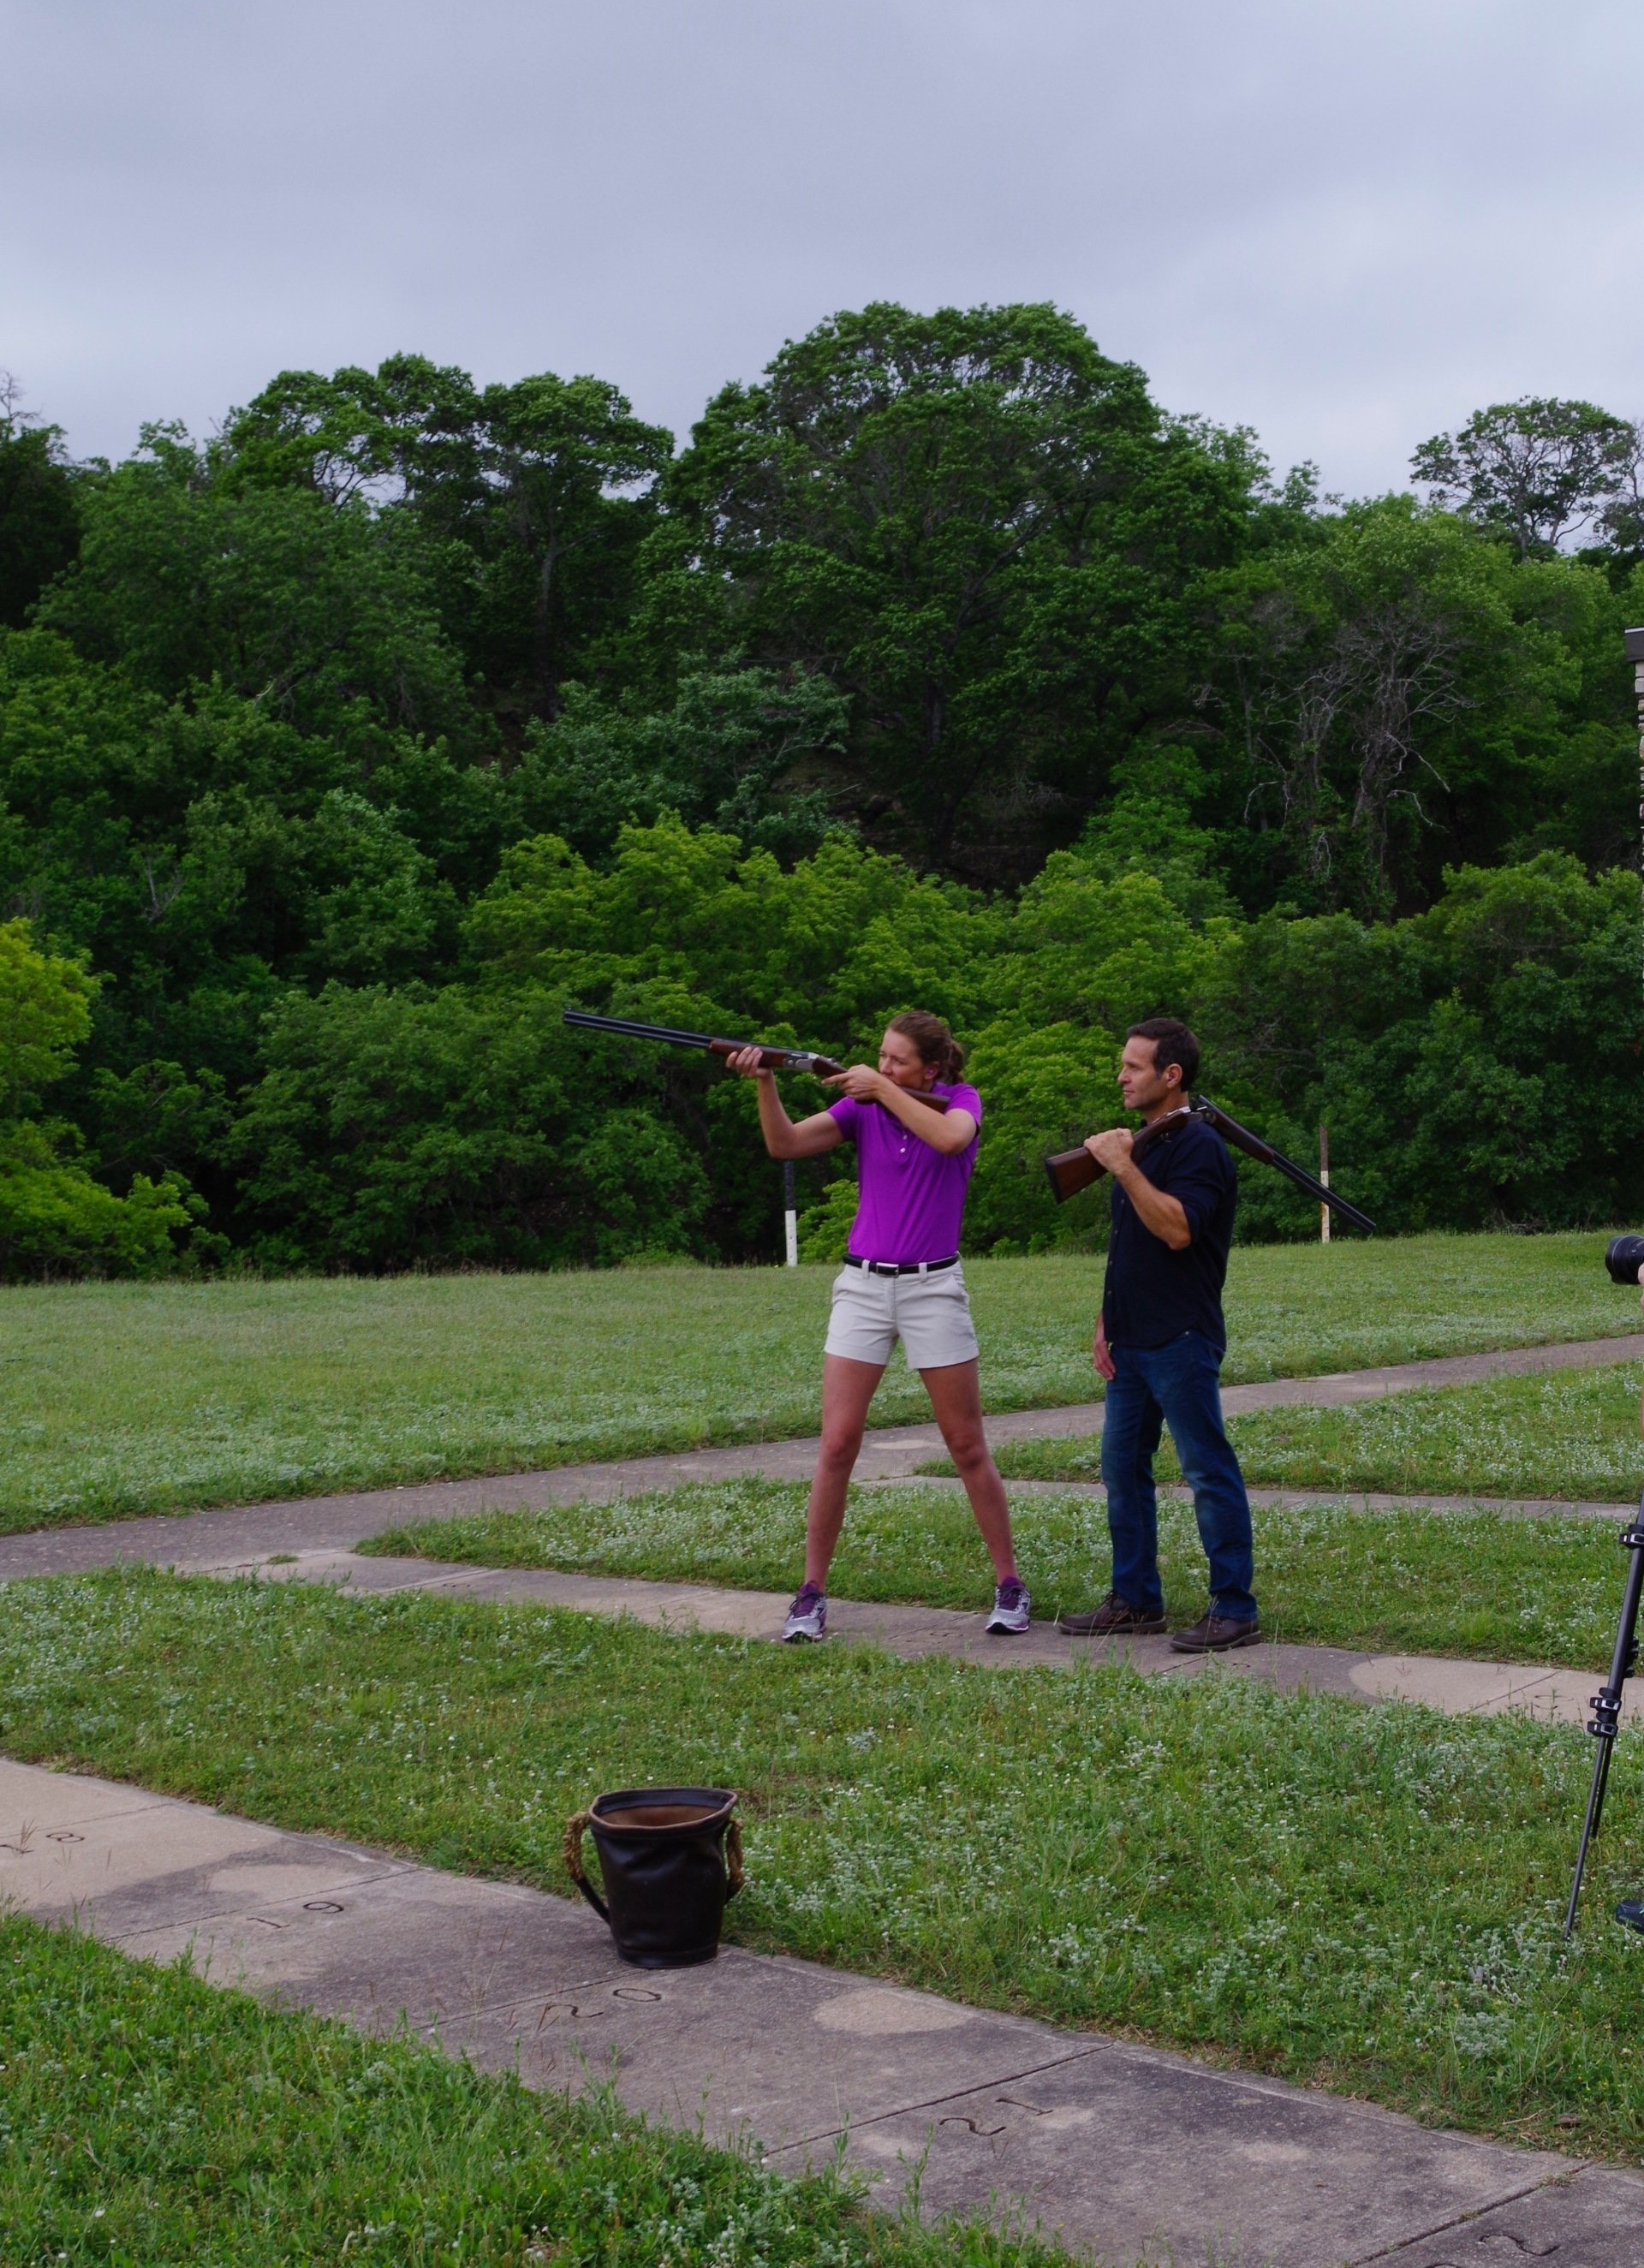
[1458, 1687]
[331, 1523]
[1138, 2155]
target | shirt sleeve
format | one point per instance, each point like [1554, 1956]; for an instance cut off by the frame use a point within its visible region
[1198, 1178]
[847, 1112]
[965, 1098]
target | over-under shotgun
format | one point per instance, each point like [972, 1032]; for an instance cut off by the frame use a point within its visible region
[770, 1058]
[1072, 1170]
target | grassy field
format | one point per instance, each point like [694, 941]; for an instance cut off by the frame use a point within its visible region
[1571, 1434]
[1500, 1590]
[1365, 1898]
[150, 2119]
[131, 1398]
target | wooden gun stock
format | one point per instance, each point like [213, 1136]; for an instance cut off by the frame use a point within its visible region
[1072, 1170]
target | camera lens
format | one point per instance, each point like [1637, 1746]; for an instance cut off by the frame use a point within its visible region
[1625, 1258]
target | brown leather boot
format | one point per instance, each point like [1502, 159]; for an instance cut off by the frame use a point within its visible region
[1113, 1618]
[1214, 1633]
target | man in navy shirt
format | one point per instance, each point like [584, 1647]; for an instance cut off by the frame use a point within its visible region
[1159, 1341]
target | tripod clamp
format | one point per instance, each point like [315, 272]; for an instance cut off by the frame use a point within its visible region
[1605, 1721]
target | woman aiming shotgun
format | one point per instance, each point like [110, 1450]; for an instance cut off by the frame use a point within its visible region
[902, 1278]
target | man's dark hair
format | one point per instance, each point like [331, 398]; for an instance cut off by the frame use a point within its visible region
[1172, 1044]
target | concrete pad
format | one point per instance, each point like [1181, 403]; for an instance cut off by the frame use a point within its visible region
[1148, 2157]
[1487, 1688]
[433, 1947]
[34, 1800]
[786, 2049]
[117, 1865]
[1593, 2219]
[911, 1633]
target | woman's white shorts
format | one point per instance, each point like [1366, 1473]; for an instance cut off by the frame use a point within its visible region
[929, 1314]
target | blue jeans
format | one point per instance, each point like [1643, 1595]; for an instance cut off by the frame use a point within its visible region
[1178, 1386]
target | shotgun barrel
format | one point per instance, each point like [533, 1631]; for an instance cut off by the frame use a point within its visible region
[771, 1058]
[1072, 1170]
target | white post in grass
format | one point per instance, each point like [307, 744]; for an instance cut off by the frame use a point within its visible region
[1323, 1175]
[790, 1213]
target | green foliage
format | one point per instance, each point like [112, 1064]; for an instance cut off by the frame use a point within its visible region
[45, 1012]
[54, 1220]
[1535, 471]
[39, 508]
[1391, 690]
[394, 1128]
[527, 501]
[943, 668]
[981, 526]
[1478, 1064]
[319, 614]
[727, 753]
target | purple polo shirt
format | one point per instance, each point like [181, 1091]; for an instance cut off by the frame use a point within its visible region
[911, 1199]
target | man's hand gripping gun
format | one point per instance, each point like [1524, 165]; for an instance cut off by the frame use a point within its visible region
[1072, 1170]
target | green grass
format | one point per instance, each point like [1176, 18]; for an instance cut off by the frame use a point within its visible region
[1545, 1590]
[132, 1398]
[1364, 1897]
[148, 2119]
[1571, 1434]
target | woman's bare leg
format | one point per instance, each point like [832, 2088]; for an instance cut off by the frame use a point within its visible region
[956, 1392]
[847, 1390]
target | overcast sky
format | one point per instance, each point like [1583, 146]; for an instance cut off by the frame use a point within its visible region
[1345, 223]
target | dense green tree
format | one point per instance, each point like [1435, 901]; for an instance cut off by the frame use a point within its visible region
[55, 1218]
[531, 500]
[1477, 1064]
[39, 515]
[1535, 472]
[978, 527]
[394, 1128]
[322, 615]
[943, 668]
[736, 749]
[1388, 696]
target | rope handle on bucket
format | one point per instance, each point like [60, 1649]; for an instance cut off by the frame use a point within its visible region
[734, 1857]
[576, 1826]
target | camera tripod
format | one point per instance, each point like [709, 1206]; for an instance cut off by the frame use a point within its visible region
[1605, 1721]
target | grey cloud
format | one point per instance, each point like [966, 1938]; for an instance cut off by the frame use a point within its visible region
[1344, 225]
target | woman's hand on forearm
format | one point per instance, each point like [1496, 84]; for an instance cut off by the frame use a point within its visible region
[946, 1132]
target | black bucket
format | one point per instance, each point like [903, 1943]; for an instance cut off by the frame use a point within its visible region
[670, 1858]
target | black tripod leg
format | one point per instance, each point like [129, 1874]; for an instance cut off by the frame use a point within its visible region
[1605, 1720]
[1590, 1825]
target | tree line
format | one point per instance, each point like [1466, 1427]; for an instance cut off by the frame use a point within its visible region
[341, 750]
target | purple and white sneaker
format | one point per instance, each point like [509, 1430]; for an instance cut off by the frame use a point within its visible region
[808, 1617]
[1012, 1607]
